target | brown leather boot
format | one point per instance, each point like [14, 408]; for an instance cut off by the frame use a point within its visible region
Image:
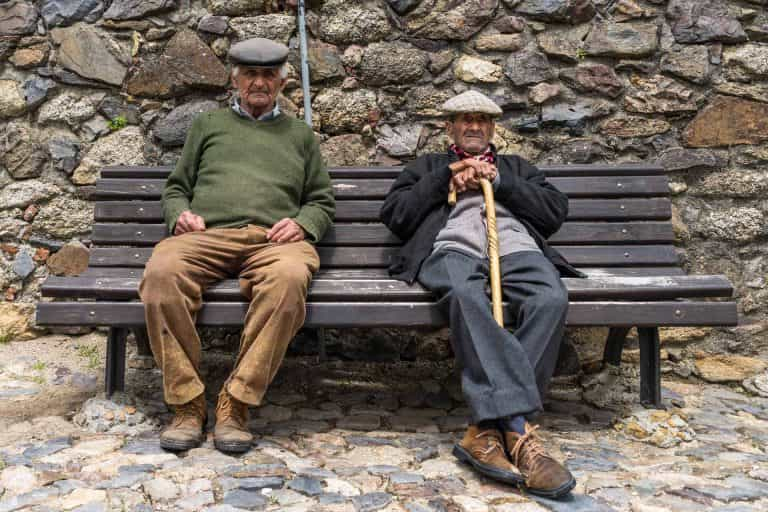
[483, 449]
[544, 476]
[231, 432]
[186, 429]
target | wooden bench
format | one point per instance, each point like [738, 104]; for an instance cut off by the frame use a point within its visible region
[618, 231]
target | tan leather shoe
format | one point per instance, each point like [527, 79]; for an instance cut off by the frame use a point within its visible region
[231, 432]
[483, 449]
[186, 429]
[544, 476]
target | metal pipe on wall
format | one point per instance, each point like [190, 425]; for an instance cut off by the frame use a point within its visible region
[304, 65]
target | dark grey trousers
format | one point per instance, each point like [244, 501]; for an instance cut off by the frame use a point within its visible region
[503, 374]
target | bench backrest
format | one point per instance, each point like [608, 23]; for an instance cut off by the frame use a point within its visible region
[619, 217]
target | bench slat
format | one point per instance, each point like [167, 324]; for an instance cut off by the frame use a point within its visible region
[357, 257]
[572, 233]
[348, 188]
[621, 169]
[382, 273]
[381, 314]
[327, 288]
[368, 211]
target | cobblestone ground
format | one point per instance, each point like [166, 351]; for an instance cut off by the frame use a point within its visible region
[346, 436]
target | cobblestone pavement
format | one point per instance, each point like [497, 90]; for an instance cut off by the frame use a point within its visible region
[345, 436]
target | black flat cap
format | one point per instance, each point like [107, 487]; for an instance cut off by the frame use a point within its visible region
[258, 52]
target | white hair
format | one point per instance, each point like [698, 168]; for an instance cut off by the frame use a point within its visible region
[283, 71]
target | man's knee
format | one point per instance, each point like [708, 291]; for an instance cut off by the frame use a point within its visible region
[161, 278]
[553, 299]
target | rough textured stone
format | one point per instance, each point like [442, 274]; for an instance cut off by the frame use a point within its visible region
[124, 147]
[738, 225]
[688, 62]
[574, 112]
[12, 102]
[235, 7]
[21, 194]
[345, 150]
[757, 92]
[727, 121]
[23, 264]
[17, 18]
[634, 126]
[540, 93]
[563, 43]
[681, 159]
[737, 184]
[499, 43]
[36, 90]
[699, 21]
[324, 62]
[172, 129]
[91, 53]
[658, 95]
[340, 111]
[134, 9]
[384, 63]
[399, 141]
[186, 63]
[213, 24]
[622, 40]
[449, 20]
[16, 320]
[64, 217]
[747, 62]
[64, 154]
[30, 57]
[728, 368]
[20, 150]
[67, 108]
[345, 23]
[597, 78]
[278, 27]
[58, 13]
[528, 66]
[558, 11]
[473, 70]
[426, 100]
[70, 260]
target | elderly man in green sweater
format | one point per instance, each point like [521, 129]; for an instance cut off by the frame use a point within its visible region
[248, 197]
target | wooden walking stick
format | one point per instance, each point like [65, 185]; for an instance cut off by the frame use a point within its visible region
[493, 246]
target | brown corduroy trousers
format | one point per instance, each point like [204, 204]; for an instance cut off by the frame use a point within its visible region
[274, 277]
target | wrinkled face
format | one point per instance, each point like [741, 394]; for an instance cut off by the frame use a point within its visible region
[471, 132]
[258, 88]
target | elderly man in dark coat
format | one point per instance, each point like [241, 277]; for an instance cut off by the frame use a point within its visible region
[504, 375]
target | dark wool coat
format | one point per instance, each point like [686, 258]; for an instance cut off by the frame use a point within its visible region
[416, 208]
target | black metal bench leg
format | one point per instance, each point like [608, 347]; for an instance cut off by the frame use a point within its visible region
[321, 345]
[142, 341]
[614, 345]
[650, 367]
[114, 373]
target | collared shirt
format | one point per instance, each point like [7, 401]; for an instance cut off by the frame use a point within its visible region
[268, 116]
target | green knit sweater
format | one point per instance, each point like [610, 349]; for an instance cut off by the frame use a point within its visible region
[235, 171]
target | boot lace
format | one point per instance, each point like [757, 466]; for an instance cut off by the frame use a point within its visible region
[492, 442]
[528, 448]
[188, 411]
[232, 409]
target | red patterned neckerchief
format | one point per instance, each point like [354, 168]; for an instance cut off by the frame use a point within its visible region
[487, 156]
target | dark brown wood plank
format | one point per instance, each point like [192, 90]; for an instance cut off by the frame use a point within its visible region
[368, 210]
[348, 188]
[382, 273]
[361, 257]
[621, 169]
[324, 288]
[384, 314]
[572, 233]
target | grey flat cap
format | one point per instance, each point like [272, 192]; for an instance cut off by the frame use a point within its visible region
[471, 102]
[259, 52]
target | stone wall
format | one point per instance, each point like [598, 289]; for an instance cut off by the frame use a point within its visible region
[681, 82]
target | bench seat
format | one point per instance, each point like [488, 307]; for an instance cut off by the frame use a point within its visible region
[618, 232]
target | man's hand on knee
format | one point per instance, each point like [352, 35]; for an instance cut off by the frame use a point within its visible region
[286, 230]
[187, 222]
